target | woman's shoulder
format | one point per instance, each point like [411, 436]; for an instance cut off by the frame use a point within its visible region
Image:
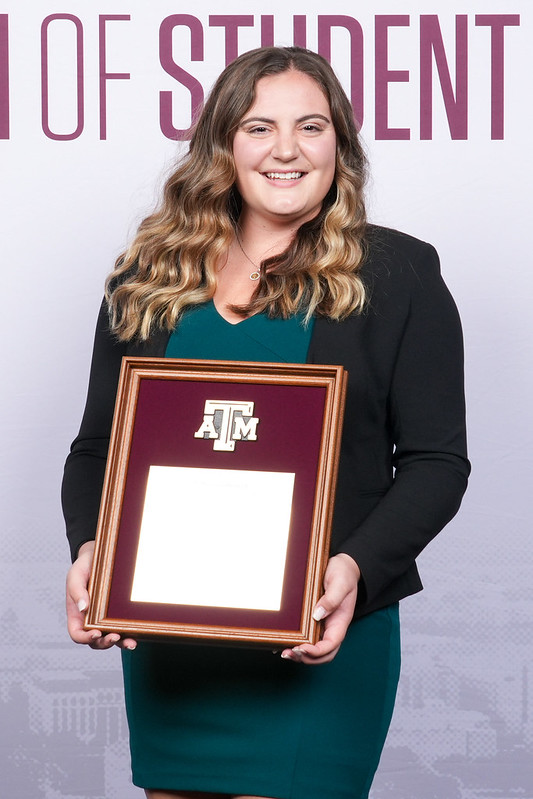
[396, 258]
[403, 279]
[389, 245]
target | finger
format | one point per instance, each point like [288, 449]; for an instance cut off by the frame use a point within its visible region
[100, 641]
[77, 600]
[127, 643]
[337, 591]
[340, 581]
[78, 633]
[77, 604]
[326, 648]
[77, 594]
[104, 641]
[76, 624]
[299, 655]
[82, 636]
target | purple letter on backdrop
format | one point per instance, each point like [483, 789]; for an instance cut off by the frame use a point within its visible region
[497, 23]
[232, 23]
[44, 76]
[171, 68]
[4, 78]
[384, 76]
[299, 29]
[105, 76]
[456, 107]
[267, 30]
[325, 24]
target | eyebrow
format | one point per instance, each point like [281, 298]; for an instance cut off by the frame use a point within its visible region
[273, 121]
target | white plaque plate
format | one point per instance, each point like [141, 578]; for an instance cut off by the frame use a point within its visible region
[213, 537]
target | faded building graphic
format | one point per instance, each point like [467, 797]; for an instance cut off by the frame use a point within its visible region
[463, 727]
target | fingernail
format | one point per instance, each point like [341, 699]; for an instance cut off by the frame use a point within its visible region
[130, 646]
[82, 605]
[286, 656]
[319, 613]
[95, 635]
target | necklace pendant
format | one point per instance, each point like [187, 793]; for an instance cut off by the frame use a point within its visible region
[255, 275]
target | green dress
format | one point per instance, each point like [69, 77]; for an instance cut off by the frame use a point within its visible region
[244, 721]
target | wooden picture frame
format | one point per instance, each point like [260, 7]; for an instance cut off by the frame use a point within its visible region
[217, 502]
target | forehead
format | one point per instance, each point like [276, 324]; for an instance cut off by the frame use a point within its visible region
[291, 89]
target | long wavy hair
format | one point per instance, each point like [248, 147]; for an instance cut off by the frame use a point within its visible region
[171, 263]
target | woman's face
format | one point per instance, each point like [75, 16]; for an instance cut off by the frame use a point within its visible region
[284, 150]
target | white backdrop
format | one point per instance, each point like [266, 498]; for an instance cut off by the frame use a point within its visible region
[82, 156]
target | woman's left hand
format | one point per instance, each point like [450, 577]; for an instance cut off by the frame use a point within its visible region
[336, 606]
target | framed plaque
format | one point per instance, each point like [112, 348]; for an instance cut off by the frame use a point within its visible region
[217, 502]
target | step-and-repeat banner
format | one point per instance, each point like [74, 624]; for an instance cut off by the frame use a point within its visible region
[95, 102]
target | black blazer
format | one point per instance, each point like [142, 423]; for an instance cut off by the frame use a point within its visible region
[403, 466]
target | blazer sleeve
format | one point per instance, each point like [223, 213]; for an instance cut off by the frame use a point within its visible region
[426, 412]
[85, 466]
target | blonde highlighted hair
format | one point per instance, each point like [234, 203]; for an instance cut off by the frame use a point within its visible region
[171, 263]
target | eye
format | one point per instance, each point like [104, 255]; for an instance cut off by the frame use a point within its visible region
[312, 128]
[258, 130]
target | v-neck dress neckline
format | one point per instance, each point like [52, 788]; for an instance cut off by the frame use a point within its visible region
[204, 333]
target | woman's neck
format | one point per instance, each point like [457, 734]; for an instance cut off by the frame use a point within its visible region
[261, 240]
[239, 271]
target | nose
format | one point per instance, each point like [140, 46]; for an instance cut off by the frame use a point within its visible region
[285, 147]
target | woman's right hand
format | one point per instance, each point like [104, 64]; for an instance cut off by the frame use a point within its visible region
[78, 602]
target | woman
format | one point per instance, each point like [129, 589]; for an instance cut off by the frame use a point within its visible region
[261, 251]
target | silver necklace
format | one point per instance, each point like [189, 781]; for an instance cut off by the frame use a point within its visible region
[256, 274]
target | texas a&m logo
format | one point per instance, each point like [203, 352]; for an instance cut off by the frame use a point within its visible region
[226, 422]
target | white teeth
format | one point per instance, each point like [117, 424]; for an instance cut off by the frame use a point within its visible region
[284, 175]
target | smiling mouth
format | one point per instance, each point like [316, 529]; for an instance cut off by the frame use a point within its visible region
[284, 175]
